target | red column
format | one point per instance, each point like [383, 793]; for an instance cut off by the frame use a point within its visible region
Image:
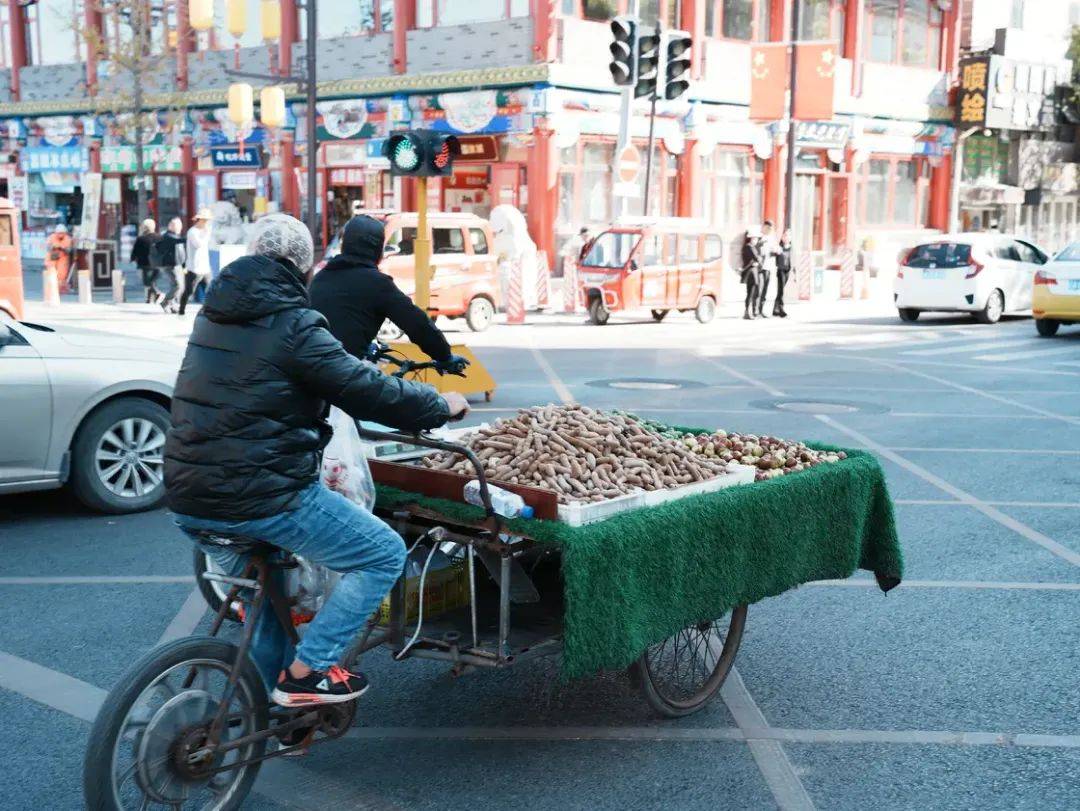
[92, 22]
[404, 21]
[93, 149]
[853, 33]
[183, 44]
[289, 29]
[940, 187]
[543, 193]
[17, 28]
[187, 168]
[774, 187]
[290, 199]
[953, 22]
[544, 13]
[689, 188]
[779, 28]
[693, 21]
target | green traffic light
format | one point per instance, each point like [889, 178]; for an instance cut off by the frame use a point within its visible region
[405, 156]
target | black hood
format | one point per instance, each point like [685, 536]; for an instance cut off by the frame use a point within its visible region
[363, 239]
[253, 287]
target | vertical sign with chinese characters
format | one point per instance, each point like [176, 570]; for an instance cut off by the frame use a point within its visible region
[974, 92]
[91, 210]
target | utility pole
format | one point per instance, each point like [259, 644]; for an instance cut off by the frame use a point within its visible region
[789, 181]
[660, 68]
[312, 135]
[618, 206]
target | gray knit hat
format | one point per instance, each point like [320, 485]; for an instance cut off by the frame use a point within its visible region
[280, 235]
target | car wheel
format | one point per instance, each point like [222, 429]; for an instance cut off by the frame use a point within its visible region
[117, 459]
[705, 310]
[909, 314]
[480, 314]
[598, 313]
[659, 315]
[995, 306]
[389, 331]
[1047, 327]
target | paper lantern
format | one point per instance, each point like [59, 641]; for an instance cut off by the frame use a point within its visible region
[236, 17]
[201, 14]
[240, 103]
[270, 11]
[272, 106]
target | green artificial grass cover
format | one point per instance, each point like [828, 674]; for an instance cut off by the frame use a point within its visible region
[638, 577]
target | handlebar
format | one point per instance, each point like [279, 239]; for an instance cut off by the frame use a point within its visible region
[381, 353]
[422, 441]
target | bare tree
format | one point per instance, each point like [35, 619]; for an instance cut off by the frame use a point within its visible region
[131, 56]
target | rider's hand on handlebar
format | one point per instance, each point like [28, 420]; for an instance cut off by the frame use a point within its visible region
[456, 404]
[455, 365]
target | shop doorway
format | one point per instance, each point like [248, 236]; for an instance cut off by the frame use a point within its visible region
[466, 191]
[806, 214]
[506, 184]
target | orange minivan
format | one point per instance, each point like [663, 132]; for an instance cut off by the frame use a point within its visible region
[11, 274]
[464, 267]
[659, 263]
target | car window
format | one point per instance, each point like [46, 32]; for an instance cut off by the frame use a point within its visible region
[669, 249]
[447, 240]
[714, 247]
[650, 250]
[688, 248]
[404, 239]
[1029, 253]
[939, 255]
[1070, 254]
[479, 240]
[610, 250]
[1006, 249]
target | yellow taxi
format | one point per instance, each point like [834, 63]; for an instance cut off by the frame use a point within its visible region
[1055, 297]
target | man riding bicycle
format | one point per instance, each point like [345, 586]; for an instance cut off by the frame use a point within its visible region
[357, 298]
[243, 454]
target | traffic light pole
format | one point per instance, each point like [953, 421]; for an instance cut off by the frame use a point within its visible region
[648, 155]
[312, 133]
[422, 248]
[789, 180]
[618, 205]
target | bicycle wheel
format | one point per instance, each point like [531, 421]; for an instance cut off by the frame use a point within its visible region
[681, 675]
[158, 715]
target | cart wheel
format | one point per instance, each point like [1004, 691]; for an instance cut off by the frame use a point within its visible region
[681, 675]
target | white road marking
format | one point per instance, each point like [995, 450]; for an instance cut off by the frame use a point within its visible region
[753, 381]
[1036, 354]
[187, 619]
[972, 347]
[556, 382]
[95, 580]
[990, 512]
[50, 687]
[1006, 451]
[783, 781]
[1071, 505]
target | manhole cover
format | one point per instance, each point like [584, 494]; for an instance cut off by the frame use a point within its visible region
[817, 407]
[646, 384]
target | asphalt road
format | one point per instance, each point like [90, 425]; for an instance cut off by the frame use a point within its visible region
[957, 690]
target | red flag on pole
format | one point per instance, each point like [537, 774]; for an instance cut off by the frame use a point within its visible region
[815, 80]
[768, 81]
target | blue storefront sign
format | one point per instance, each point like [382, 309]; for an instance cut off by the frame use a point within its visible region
[53, 159]
[230, 157]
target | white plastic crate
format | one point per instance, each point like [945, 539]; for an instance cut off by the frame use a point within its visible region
[589, 512]
[738, 474]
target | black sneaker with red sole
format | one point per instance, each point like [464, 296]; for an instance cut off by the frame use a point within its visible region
[335, 686]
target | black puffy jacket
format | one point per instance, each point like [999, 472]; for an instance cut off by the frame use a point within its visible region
[356, 297]
[247, 412]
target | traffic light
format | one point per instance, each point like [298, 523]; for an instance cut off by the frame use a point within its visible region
[624, 31]
[421, 153]
[648, 63]
[677, 46]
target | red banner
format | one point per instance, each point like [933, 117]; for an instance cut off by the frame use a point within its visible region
[768, 81]
[815, 80]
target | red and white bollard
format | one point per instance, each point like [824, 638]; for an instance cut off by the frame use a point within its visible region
[50, 288]
[85, 289]
[570, 285]
[847, 274]
[804, 276]
[515, 299]
[118, 287]
[543, 281]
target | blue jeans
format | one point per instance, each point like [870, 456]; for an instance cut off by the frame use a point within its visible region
[329, 529]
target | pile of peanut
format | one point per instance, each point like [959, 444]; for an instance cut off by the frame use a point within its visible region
[580, 453]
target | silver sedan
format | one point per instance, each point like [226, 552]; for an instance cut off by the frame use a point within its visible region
[84, 408]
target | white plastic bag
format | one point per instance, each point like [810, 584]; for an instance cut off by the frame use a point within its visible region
[344, 467]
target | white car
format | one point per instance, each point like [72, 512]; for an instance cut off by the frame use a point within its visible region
[84, 408]
[985, 274]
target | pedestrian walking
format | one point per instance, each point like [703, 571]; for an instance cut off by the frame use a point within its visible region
[783, 270]
[58, 253]
[751, 271]
[172, 256]
[143, 255]
[198, 256]
[769, 250]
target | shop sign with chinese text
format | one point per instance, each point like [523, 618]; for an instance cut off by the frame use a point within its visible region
[121, 159]
[1002, 93]
[230, 157]
[53, 159]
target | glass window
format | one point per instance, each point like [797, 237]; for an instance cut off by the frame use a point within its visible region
[669, 243]
[597, 161]
[455, 12]
[907, 175]
[688, 249]
[650, 251]
[344, 18]
[447, 240]
[1017, 15]
[737, 20]
[649, 11]
[815, 19]
[479, 240]
[1070, 254]
[877, 192]
[1006, 249]
[598, 9]
[884, 30]
[936, 24]
[55, 33]
[714, 247]
[404, 239]
[939, 255]
[916, 32]
[611, 250]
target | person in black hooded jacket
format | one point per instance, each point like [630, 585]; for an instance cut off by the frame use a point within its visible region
[243, 454]
[357, 298]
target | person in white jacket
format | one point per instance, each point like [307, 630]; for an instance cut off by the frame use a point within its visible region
[198, 256]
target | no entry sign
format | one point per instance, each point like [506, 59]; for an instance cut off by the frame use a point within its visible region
[628, 164]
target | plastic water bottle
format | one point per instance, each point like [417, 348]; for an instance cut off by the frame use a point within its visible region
[506, 504]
